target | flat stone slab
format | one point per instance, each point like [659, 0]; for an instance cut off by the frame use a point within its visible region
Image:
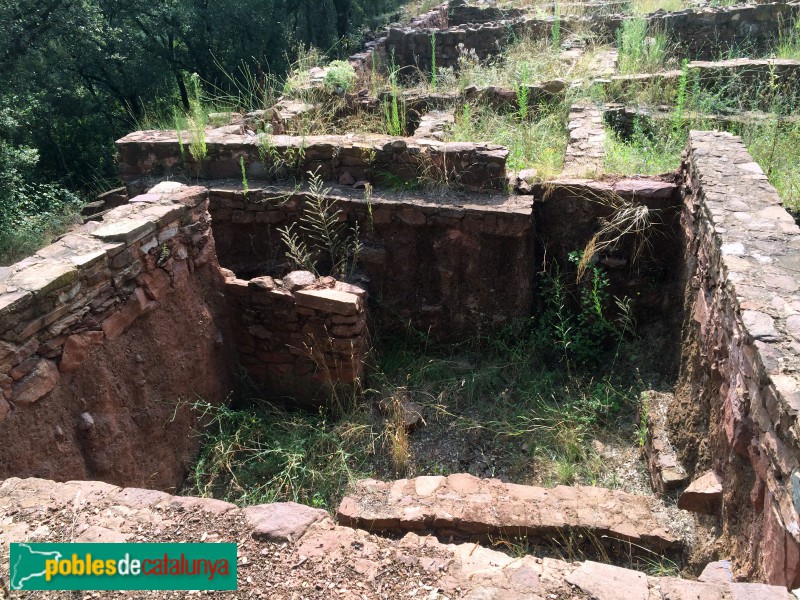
[467, 507]
[607, 582]
[282, 521]
[326, 560]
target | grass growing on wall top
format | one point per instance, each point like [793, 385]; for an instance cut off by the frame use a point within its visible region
[539, 142]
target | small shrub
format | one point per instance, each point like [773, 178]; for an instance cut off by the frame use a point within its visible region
[340, 77]
[322, 241]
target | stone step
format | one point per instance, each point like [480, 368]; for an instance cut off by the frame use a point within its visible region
[466, 507]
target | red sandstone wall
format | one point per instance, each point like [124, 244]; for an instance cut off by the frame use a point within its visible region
[478, 167]
[299, 335]
[103, 335]
[444, 264]
[738, 395]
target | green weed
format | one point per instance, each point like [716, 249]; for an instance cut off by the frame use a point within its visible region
[394, 107]
[556, 31]
[245, 185]
[322, 241]
[789, 40]
[434, 80]
[538, 143]
[640, 49]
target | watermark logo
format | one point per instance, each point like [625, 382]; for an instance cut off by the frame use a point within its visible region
[123, 567]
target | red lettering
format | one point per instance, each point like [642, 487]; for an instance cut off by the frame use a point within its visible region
[154, 570]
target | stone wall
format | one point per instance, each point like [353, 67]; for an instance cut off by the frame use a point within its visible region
[478, 167]
[104, 337]
[711, 33]
[768, 77]
[568, 212]
[702, 34]
[461, 13]
[375, 55]
[738, 395]
[443, 262]
[299, 335]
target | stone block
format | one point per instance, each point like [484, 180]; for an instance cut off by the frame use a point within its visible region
[330, 301]
[282, 521]
[607, 582]
[125, 230]
[45, 277]
[703, 495]
[298, 279]
[36, 384]
[137, 305]
[77, 349]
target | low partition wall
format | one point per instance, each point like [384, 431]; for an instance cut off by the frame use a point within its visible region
[702, 34]
[299, 336]
[738, 395]
[770, 79]
[105, 337]
[443, 263]
[478, 167]
[461, 13]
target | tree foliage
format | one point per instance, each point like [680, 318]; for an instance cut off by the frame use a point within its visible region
[80, 73]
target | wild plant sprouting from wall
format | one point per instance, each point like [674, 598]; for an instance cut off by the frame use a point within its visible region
[628, 222]
[320, 241]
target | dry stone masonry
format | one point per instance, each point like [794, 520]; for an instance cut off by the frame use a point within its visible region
[298, 335]
[738, 74]
[466, 507]
[67, 364]
[738, 396]
[424, 254]
[698, 34]
[478, 167]
[585, 155]
[110, 334]
[666, 471]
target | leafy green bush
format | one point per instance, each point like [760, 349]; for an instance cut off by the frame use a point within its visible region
[576, 321]
[30, 211]
[340, 76]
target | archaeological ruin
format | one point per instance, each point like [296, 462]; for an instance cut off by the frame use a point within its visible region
[178, 287]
